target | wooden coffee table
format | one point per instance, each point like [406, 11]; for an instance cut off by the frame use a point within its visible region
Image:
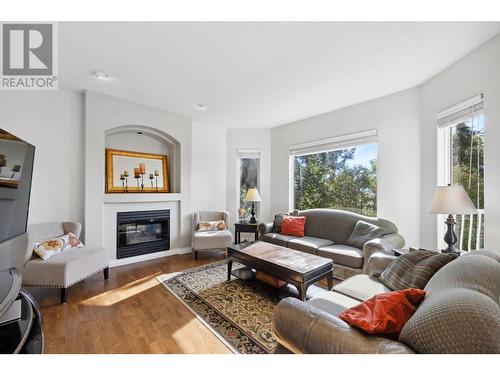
[295, 267]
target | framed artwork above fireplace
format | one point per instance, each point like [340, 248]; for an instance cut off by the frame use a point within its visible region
[136, 172]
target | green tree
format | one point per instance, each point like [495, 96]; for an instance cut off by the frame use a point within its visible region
[325, 180]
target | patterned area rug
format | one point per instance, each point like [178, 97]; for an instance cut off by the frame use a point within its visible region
[238, 312]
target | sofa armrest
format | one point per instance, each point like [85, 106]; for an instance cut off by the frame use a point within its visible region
[302, 328]
[384, 244]
[378, 262]
[73, 227]
[265, 228]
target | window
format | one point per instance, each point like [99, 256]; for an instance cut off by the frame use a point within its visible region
[461, 133]
[248, 176]
[336, 173]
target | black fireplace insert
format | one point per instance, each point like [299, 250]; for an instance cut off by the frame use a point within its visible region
[142, 232]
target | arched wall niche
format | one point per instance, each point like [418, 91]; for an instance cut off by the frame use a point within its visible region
[142, 138]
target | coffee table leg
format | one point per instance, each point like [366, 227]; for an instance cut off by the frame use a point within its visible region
[229, 269]
[302, 288]
[329, 279]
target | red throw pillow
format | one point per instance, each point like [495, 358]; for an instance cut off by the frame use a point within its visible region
[293, 225]
[384, 314]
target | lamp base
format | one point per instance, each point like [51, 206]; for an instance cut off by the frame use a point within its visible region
[252, 219]
[450, 236]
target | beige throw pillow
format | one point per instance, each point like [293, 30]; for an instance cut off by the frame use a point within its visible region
[205, 226]
[48, 248]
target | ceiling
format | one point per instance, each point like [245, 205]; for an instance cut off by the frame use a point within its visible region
[260, 74]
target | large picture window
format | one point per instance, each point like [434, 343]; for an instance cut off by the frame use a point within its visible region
[338, 173]
[462, 163]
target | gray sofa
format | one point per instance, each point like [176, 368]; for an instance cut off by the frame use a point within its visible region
[460, 313]
[326, 233]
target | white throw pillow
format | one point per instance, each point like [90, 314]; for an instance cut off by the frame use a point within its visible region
[205, 226]
[48, 248]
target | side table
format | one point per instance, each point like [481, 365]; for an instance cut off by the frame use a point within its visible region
[245, 228]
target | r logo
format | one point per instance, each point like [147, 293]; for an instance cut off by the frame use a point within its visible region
[27, 49]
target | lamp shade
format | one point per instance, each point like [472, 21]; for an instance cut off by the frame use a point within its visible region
[451, 200]
[252, 195]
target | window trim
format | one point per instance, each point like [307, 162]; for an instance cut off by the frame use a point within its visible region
[446, 119]
[245, 153]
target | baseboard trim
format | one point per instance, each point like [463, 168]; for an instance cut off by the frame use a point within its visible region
[145, 257]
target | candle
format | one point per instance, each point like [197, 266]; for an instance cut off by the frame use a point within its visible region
[151, 176]
[142, 167]
[157, 173]
[125, 173]
[122, 177]
[137, 173]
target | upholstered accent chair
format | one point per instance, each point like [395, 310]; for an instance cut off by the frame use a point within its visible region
[210, 240]
[61, 270]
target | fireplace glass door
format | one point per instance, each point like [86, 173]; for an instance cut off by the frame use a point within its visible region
[142, 231]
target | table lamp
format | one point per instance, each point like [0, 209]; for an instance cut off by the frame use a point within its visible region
[253, 196]
[451, 200]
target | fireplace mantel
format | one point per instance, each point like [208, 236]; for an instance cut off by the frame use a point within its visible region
[141, 198]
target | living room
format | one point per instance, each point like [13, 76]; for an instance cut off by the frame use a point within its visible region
[250, 187]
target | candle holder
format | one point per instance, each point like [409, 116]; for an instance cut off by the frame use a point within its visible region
[125, 175]
[157, 173]
[151, 177]
[15, 169]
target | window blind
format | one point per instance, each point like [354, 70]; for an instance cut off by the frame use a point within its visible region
[336, 143]
[461, 111]
[248, 153]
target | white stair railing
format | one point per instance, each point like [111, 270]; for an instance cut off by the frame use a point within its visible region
[469, 225]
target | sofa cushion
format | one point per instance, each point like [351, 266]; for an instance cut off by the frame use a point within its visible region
[361, 287]
[278, 221]
[343, 254]
[414, 269]
[362, 233]
[308, 244]
[277, 238]
[461, 312]
[65, 269]
[384, 314]
[332, 302]
[215, 239]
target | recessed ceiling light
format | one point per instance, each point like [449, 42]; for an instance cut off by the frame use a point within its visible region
[99, 74]
[201, 107]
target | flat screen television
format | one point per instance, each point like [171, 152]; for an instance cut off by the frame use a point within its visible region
[16, 168]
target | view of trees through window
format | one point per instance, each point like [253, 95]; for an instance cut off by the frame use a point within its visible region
[249, 172]
[467, 169]
[343, 179]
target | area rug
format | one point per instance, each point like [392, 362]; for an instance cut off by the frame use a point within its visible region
[238, 312]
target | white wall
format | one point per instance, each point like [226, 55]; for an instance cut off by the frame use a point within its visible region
[249, 139]
[396, 117]
[53, 122]
[474, 74]
[104, 113]
[208, 191]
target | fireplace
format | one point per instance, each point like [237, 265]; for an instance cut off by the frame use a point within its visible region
[142, 232]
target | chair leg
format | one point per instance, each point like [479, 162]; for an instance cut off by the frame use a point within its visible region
[195, 254]
[106, 273]
[64, 295]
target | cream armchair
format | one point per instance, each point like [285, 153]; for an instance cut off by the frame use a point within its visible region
[61, 270]
[210, 240]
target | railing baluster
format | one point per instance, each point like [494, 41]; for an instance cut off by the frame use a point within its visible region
[461, 237]
[469, 240]
[478, 230]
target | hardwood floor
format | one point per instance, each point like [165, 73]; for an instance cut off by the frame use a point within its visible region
[129, 313]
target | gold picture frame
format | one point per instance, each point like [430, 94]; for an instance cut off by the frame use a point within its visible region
[119, 161]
